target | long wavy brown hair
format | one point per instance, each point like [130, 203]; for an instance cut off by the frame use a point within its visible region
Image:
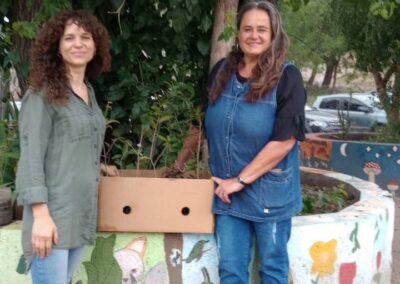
[270, 63]
[47, 68]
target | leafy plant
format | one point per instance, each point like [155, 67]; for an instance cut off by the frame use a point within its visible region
[9, 152]
[162, 130]
[230, 29]
[324, 199]
[382, 8]
[156, 45]
[374, 42]
[160, 64]
[9, 142]
[344, 119]
[385, 135]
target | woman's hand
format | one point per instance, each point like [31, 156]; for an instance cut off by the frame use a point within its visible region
[173, 171]
[44, 231]
[107, 170]
[226, 187]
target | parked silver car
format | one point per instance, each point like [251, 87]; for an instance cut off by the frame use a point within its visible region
[320, 121]
[363, 110]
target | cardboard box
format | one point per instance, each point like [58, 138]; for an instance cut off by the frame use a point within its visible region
[137, 201]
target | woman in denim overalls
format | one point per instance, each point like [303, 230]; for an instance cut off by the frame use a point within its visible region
[254, 119]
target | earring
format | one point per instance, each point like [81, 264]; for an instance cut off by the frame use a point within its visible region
[237, 46]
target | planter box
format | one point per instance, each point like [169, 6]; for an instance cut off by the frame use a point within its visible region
[353, 245]
[137, 201]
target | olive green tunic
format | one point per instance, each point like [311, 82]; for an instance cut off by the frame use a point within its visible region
[60, 165]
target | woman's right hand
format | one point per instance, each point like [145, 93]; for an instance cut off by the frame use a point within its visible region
[109, 170]
[44, 230]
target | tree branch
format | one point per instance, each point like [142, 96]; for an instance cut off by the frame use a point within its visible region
[389, 73]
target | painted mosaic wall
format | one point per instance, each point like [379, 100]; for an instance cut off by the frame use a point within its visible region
[126, 258]
[375, 162]
[351, 246]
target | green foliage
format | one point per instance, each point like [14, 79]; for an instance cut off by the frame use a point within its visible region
[375, 42]
[345, 123]
[385, 9]
[162, 130]
[315, 35]
[295, 5]
[160, 64]
[24, 28]
[102, 267]
[231, 29]
[9, 142]
[9, 152]
[159, 48]
[385, 135]
[5, 7]
[324, 199]
[382, 8]
[374, 39]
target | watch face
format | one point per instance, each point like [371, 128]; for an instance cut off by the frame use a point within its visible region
[242, 181]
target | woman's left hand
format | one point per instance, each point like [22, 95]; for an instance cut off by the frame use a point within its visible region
[226, 187]
[109, 170]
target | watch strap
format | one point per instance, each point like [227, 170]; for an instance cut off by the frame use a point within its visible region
[241, 181]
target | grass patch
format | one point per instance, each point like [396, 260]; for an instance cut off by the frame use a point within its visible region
[385, 134]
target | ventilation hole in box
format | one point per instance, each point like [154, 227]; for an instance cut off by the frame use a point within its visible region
[127, 210]
[185, 211]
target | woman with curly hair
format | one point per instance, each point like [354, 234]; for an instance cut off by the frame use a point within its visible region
[61, 132]
[255, 116]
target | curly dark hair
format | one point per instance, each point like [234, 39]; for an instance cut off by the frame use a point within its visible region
[47, 68]
[269, 68]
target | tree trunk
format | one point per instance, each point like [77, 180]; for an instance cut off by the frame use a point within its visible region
[310, 81]
[335, 75]
[394, 114]
[2, 92]
[390, 105]
[330, 68]
[20, 11]
[221, 48]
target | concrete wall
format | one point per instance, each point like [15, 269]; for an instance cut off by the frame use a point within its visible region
[351, 246]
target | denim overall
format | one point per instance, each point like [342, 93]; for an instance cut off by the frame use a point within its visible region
[237, 130]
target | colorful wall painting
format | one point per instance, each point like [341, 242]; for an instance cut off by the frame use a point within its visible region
[375, 162]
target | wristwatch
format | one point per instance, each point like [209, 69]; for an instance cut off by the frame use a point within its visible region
[241, 181]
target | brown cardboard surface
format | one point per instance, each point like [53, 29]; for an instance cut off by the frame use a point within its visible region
[129, 203]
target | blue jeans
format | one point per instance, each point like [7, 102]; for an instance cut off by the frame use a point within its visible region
[235, 245]
[57, 268]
